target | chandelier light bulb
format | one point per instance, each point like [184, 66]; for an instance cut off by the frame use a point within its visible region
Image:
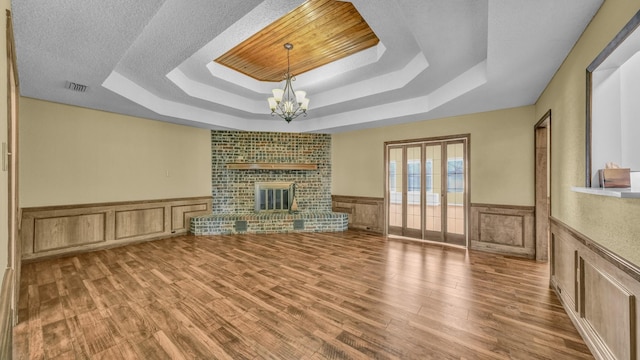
[277, 94]
[272, 103]
[305, 104]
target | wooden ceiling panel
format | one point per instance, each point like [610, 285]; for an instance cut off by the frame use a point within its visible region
[321, 31]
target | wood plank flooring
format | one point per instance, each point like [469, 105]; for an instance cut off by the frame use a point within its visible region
[346, 295]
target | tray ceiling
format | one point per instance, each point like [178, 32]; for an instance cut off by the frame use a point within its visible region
[321, 31]
[433, 58]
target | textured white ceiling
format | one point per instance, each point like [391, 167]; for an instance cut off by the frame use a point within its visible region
[153, 59]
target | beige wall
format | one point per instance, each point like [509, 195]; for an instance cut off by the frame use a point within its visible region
[72, 155]
[614, 223]
[501, 155]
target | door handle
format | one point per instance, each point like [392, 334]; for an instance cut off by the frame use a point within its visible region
[5, 156]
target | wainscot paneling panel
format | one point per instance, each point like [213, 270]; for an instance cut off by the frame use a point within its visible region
[64, 231]
[608, 308]
[503, 228]
[564, 268]
[181, 215]
[492, 229]
[365, 213]
[58, 230]
[132, 223]
[607, 286]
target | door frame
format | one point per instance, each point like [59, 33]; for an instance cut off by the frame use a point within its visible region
[542, 188]
[466, 138]
[10, 165]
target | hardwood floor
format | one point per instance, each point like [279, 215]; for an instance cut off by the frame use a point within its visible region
[291, 296]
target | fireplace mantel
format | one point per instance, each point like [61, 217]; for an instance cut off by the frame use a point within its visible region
[271, 166]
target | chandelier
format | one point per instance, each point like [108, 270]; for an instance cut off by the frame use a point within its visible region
[287, 103]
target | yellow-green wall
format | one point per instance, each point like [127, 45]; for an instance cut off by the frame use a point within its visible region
[72, 155]
[501, 155]
[614, 223]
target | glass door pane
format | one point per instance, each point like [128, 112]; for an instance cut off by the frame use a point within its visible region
[455, 187]
[413, 198]
[414, 189]
[433, 186]
[395, 183]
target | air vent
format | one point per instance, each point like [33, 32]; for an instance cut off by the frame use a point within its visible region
[76, 87]
[298, 224]
[241, 225]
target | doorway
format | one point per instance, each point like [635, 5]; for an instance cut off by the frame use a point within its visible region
[543, 185]
[426, 193]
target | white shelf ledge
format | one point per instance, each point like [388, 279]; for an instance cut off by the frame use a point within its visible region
[626, 193]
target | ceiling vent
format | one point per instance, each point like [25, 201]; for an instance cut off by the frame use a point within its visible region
[76, 87]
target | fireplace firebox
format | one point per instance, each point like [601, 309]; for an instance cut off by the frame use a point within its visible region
[273, 196]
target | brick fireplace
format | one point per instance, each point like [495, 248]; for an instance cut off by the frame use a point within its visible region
[234, 190]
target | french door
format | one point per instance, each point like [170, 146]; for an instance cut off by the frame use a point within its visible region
[426, 190]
